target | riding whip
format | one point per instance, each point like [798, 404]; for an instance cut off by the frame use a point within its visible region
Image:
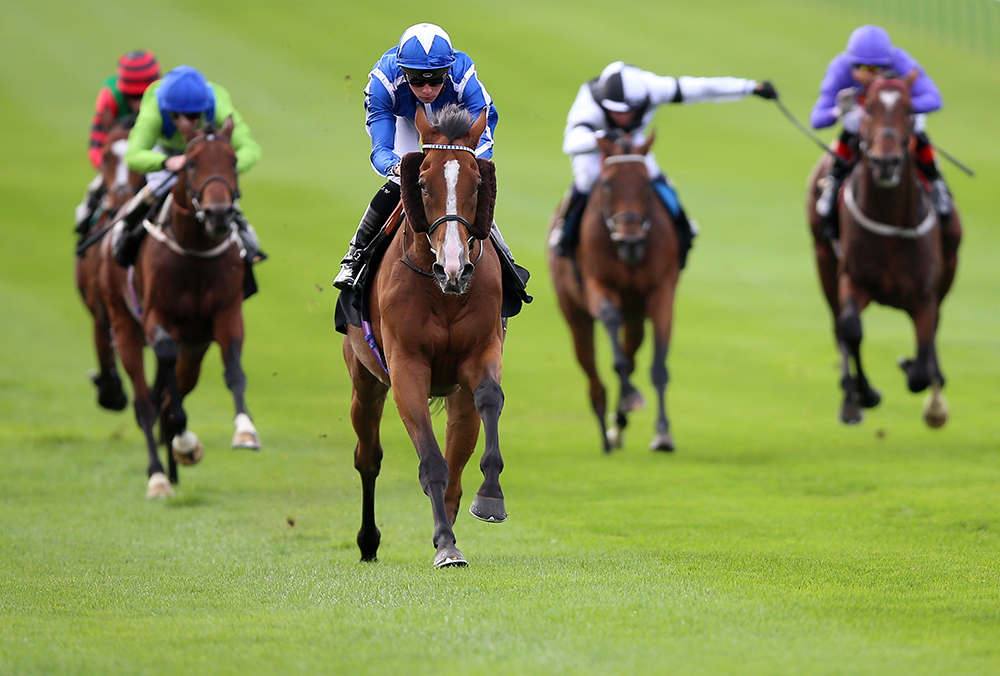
[805, 130]
[954, 161]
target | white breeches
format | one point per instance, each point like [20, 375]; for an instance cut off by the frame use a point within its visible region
[587, 169]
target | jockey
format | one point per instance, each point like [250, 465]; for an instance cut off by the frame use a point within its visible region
[622, 101]
[422, 70]
[870, 49]
[118, 99]
[156, 148]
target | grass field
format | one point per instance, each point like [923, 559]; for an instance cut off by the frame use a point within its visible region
[774, 541]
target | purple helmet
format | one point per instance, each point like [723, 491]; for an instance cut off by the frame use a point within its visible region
[870, 45]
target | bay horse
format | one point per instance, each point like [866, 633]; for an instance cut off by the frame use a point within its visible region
[184, 291]
[435, 312]
[626, 271]
[120, 184]
[893, 250]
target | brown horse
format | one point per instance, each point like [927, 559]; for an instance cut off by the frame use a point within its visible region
[185, 290]
[893, 250]
[119, 184]
[435, 311]
[626, 271]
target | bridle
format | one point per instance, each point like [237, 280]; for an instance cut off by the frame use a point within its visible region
[444, 219]
[197, 195]
[622, 217]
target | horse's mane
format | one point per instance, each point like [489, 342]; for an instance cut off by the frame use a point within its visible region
[452, 121]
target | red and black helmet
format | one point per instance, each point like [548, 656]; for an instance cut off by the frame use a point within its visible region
[136, 70]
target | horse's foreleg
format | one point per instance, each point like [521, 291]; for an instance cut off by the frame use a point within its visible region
[660, 307]
[411, 381]
[858, 393]
[229, 335]
[489, 504]
[951, 238]
[629, 399]
[185, 447]
[923, 369]
[173, 419]
[461, 436]
[130, 344]
[581, 325]
[367, 401]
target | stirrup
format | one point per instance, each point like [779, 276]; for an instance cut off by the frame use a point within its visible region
[347, 278]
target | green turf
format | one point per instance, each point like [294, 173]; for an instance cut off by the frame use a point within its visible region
[774, 541]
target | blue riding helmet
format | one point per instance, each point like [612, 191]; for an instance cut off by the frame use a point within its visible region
[425, 51]
[185, 90]
[870, 45]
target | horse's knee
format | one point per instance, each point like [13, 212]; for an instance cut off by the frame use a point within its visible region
[164, 346]
[849, 324]
[488, 398]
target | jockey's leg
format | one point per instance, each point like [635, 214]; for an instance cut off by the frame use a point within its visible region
[251, 243]
[566, 234]
[84, 212]
[826, 204]
[375, 216]
[128, 232]
[928, 166]
[517, 274]
[686, 230]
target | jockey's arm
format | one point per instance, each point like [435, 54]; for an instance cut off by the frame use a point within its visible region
[584, 120]
[247, 149]
[145, 134]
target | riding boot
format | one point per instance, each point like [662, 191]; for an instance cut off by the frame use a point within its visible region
[85, 210]
[128, 232]
[566, 234]
[686, 229]
[517, 274]
[248, 236]
[378, 211]
[827, 201]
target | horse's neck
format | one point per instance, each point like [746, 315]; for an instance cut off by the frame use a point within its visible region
[893, 206]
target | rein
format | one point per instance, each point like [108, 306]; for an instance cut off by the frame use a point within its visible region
[410, 264]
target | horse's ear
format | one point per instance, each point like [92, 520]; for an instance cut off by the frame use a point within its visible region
[487, 200]
[477, 129]
[227, 127]
[864, 77]
[606, 145]
[409, 191]
[423, 124]
[644, 148]
[187, 127]
[911, 77]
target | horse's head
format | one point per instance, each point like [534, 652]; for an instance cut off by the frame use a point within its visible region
[121, 182]
[887, 127]
[209, 184]
[449, 194]
[626, 196]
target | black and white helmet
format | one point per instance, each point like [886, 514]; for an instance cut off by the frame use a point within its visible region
[621, 89]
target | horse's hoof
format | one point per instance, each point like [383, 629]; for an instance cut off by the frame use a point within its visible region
[632, 401]
[615, 439]
[246, 434]
[448, 557]
[935, 409]
[662, 442]
[187, 449]
[110, 394]
[870, 398]
[491, 510]
[159, 487]
[851, 413]
[248, 440]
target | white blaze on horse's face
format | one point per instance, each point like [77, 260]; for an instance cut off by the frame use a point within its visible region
[452, 250]
[889, 99]
[118, 148]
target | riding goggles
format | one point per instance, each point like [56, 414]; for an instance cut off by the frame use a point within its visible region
[869, 67]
